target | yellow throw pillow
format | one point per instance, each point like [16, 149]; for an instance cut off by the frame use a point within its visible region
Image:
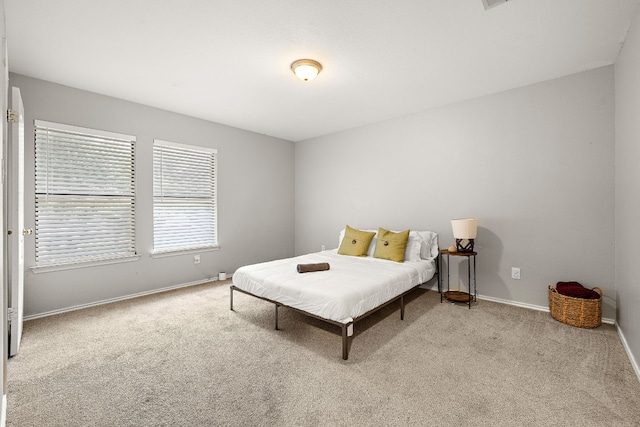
[391, 245]
[355, 242]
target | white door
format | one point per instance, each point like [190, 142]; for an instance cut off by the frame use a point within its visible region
[16, 220]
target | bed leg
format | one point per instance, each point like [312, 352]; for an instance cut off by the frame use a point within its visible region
[277, 316]
[402, 307]
[231, 298]
[345, 342]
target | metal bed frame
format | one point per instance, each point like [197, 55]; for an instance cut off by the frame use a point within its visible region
[347, 328]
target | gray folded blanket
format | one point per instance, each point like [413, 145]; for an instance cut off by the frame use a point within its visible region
[307, 268]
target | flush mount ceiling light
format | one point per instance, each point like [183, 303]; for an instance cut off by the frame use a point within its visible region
[306, 69]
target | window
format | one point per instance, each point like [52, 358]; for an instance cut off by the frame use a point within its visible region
[184, 197]
[85, 195]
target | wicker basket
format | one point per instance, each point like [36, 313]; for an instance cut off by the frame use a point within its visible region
[579, 312]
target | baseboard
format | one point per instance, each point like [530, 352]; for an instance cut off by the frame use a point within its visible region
[530, 306]
[633, 361]
[434, 287]
[122, 298]
[3, 415]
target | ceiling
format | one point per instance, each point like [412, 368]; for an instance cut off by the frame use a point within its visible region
[228, 61]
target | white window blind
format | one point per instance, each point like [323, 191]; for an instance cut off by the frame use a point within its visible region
[184, 197]
[85, 194]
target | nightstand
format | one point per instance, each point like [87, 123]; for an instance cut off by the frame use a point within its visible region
[459, 296]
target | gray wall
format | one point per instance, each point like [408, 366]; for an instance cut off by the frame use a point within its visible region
[628, 189]
[255, 197]
[533, 164]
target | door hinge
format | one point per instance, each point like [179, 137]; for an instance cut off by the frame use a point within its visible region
[10, 314]
[12, 116]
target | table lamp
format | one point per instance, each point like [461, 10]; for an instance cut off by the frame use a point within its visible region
[464, 231]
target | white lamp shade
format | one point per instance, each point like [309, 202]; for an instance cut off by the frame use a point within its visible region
[464, 228]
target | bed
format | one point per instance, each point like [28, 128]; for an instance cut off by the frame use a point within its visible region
[350, 290]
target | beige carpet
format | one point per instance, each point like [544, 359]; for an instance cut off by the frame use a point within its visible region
[182, 358]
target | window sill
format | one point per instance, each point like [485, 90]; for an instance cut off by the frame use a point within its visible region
[168, 253]
[61, 267]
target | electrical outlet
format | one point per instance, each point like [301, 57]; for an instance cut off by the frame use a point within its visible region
[196, 259]
[322, 248]
[515, 273]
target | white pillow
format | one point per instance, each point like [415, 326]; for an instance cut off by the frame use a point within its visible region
[429, 248]
[414, 245]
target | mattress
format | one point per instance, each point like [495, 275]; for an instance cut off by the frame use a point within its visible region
[350, 288]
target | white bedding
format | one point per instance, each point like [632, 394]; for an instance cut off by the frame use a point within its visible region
[350, 288]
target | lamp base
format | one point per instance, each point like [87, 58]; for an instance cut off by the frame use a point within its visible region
[464, 245]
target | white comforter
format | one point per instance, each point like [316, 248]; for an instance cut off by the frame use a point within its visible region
[352, 286]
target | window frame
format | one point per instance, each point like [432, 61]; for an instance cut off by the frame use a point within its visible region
[180, 249]
[130, 253]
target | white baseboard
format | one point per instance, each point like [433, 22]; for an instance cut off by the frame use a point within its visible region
[434, 287]
[3, 415]
[530, 306]
[122, 298]
[633, 361]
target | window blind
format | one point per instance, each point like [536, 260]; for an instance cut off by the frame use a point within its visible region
[85, 194]
[184, 197]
